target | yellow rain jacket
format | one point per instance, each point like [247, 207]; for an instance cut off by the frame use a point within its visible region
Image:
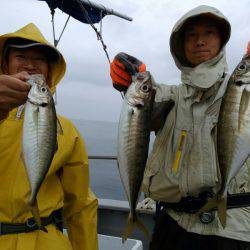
[66, 184]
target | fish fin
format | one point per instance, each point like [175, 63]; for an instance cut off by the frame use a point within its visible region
[244, 103]
[25, 209]
[22, 157]
[131, 224]
[128, 229]
[221, 204]
[36, 215]
[59, 127]
[56, 146]
[210, 205]
[35, 115]
[142, 227]
[222, 211]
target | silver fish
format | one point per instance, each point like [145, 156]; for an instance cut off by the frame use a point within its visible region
[133, 142]
[39, 137]
[233, 133]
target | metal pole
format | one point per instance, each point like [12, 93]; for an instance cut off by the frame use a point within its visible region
[102, 157]
[97, 6]
[107, 10]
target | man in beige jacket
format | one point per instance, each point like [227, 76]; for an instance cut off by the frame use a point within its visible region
[182, 170]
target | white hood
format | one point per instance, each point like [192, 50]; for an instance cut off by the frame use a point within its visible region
[208, 73]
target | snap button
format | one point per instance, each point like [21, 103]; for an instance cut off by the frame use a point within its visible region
[30, 223]
[207, 217]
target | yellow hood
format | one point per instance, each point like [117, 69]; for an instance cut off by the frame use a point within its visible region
[31, 32]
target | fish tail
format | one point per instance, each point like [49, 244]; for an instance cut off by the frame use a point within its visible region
[221, 204]
[36, 215]
[210, 205]
[222, 211]
[21, 212]
[131, 224]
[141, 226]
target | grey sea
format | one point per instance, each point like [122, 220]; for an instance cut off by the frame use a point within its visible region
[100, 139]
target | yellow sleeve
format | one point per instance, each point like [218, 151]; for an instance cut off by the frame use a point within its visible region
[80, 204]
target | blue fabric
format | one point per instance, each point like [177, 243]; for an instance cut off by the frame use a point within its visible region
[72, 8]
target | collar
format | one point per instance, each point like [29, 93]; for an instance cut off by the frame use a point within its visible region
[206, 74]
[217, 90]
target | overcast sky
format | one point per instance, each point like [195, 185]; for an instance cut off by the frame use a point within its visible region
[86, 91]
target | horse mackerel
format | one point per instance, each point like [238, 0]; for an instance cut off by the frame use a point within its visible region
[133, 142]
[39, 137]
[233, 133]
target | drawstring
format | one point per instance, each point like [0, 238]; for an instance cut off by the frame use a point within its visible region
[19, 112]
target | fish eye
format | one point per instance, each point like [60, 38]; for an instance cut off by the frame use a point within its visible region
[145, 88]
[43, 89]
[242, 66]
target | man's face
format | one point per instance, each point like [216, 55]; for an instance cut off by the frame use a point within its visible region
[202, 41]
[32, 60]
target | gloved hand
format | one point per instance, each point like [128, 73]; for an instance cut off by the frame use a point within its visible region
[122, 68]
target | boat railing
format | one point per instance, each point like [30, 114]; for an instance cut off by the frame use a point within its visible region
[102, 157]
[114, 204]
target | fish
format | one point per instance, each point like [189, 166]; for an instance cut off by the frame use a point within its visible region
[133, 143]
[233, 137]
[39, 141]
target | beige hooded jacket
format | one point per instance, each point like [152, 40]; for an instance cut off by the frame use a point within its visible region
[183, 161]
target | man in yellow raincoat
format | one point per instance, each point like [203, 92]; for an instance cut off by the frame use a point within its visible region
[66, 186]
